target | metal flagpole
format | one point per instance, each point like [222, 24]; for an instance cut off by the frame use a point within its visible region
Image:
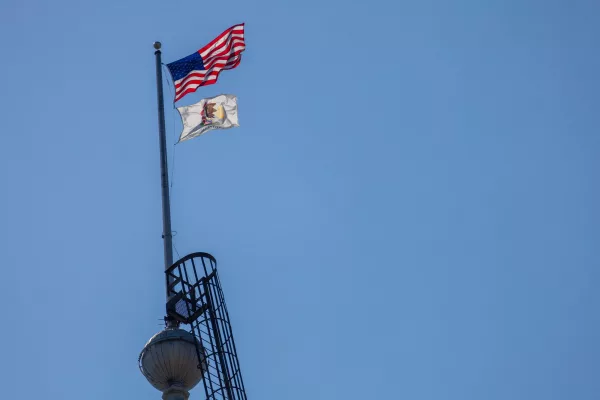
[164, 175]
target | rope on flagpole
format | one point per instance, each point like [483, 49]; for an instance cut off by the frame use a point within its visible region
[172, 92]
[169, 84]
[173, 166]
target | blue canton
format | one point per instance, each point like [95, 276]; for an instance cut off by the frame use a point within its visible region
[181, 68]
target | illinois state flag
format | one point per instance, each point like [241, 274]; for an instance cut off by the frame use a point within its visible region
[203, 67]
[215, 113]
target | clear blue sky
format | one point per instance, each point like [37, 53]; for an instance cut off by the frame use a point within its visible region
[409, 210]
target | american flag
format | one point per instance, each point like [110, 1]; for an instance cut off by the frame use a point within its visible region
[203, 67]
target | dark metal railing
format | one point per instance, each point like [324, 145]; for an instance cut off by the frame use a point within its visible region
[195, 298]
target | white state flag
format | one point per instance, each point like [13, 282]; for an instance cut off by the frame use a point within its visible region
[215, 113]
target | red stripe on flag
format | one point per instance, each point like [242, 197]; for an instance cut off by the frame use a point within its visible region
[216, 60]
[216, 68]
[227, 31]
[193, 89]
[225, 47]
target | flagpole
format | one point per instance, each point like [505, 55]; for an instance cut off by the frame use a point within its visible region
[164, 175]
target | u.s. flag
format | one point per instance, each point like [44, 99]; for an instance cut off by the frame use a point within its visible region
[203, 67]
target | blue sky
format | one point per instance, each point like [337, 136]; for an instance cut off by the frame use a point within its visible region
[409, 209]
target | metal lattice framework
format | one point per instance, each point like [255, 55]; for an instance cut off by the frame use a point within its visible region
[195, 298]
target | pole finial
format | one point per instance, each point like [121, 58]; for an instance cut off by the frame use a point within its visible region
[157, 45]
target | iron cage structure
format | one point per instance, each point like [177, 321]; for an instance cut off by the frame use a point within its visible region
[195, 298]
